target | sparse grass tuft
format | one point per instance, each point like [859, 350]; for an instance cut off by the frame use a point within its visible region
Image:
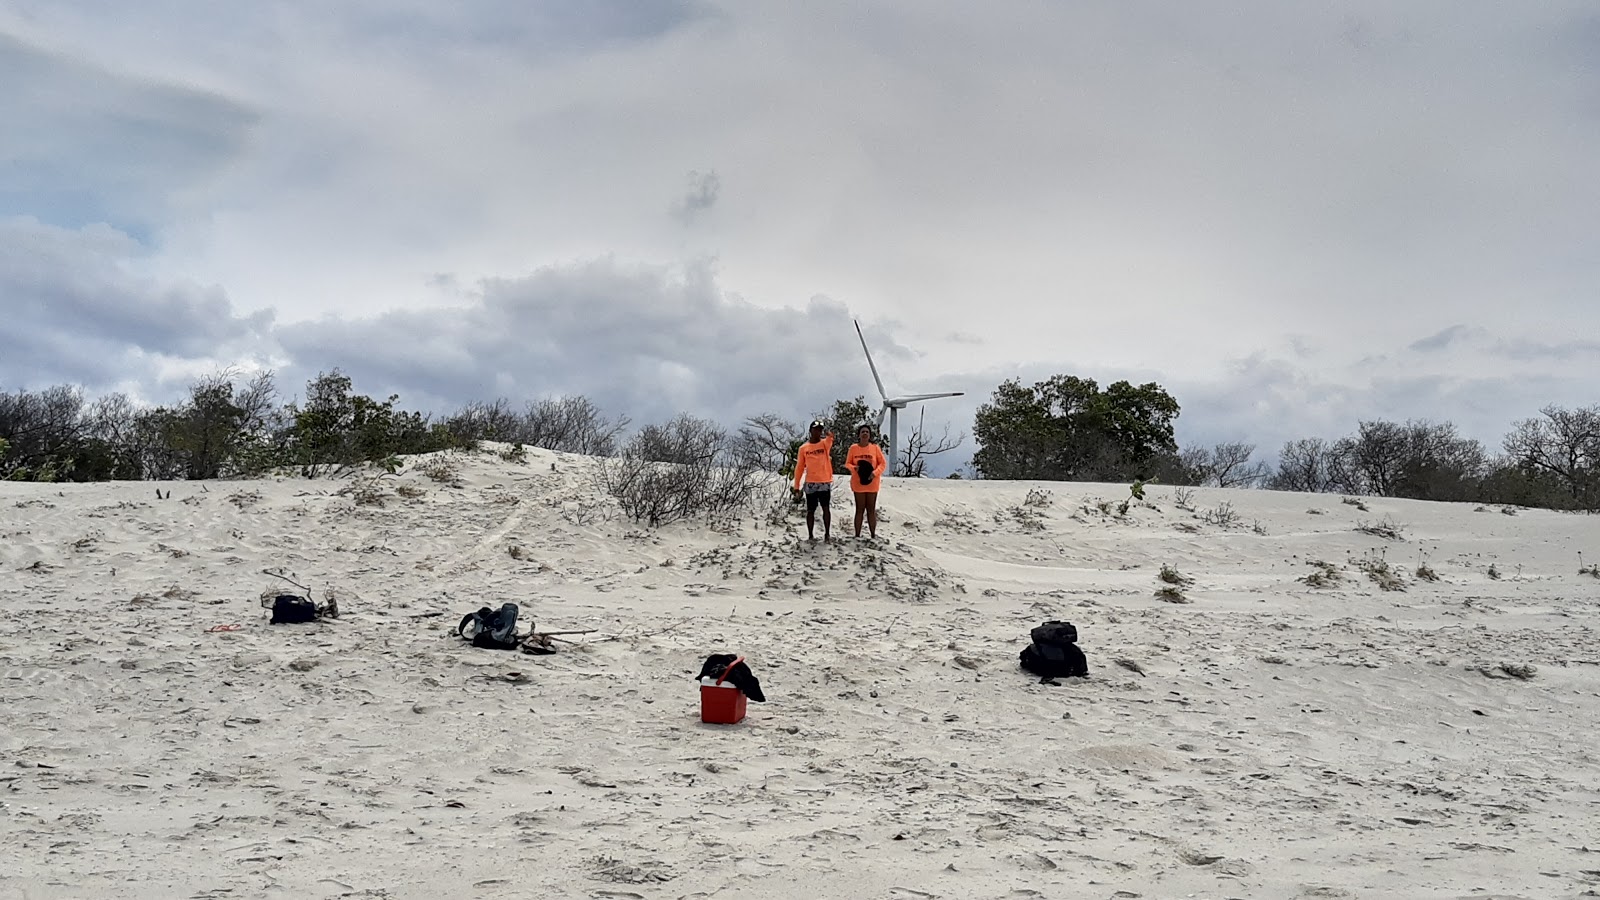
[1425, 573]
[515, 551]
[365, 491]
[1378, 569]
[1357, 502]
[1171, 575]
[1258, 528]
[1171, 594]
[1508, 510]
[1326, 575]
[1519, 671]
[409, 491]
[516, 453]
[1494, 572]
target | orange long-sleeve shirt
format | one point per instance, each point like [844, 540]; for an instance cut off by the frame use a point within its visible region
[873, 454]
[815, 462]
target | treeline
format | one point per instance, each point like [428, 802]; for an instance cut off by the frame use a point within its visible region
[230, 425]
[1069, 429]
[1063, 429]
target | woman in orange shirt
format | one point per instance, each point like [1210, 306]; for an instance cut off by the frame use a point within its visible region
[866, 464]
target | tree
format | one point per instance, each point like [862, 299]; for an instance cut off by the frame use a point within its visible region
[765, 441]
[920, 445]
[1305, 465]
[843, 418]
[570, 425]
[1068, 429]
[480, 421]
[1564, 445]
[44, 432]
[216, 431]
[1227, 465]
[337, 428]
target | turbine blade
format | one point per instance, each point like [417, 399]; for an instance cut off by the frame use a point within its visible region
[913, 398]
[870, 364]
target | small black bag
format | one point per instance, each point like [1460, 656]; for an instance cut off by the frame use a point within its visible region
[1054, 652]
[864, 470]
[289, 609]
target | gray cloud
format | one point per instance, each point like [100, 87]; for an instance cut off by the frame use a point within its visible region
[73, 312]
[647, 340]
[700, 197]
[83, 144]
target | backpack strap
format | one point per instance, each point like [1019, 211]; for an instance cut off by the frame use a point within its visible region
[729, 668]
[461, 630]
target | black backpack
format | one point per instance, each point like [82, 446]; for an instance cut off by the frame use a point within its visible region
[1054, 652]
[289, 609]
[495, 629]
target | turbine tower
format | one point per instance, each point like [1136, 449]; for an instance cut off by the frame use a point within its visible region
[893, 405]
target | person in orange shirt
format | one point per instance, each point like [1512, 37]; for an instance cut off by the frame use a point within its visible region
[813, 474]
[866, 464]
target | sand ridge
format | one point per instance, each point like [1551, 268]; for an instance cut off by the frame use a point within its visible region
[1278, 740]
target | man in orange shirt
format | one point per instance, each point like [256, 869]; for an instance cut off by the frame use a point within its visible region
[813, 474]
[866, 464]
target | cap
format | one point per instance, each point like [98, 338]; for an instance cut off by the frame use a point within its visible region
[818, 423]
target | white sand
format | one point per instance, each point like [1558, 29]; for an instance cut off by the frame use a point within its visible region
[1284, 741]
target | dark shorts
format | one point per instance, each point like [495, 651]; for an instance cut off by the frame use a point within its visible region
[815, 499]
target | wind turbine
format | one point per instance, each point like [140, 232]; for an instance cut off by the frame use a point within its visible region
[893, 405]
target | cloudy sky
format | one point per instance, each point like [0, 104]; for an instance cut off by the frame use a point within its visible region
[1293, 216]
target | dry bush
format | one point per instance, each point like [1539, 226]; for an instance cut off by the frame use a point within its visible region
[1258, 528]
[1183, 498]
[409, 491]
[685, 468]
[516, 552]
[1425, 573]
[243, 499]
[1171, 575]
[1494, 572]
[1224, 516]
[442, 469]
[365, 491]
[1037, 498]
[1386, 527]
[1326, 575]
[956, 519]
[1357, 502]
[516, 453]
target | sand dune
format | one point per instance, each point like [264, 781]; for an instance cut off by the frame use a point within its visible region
[1264, 739]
